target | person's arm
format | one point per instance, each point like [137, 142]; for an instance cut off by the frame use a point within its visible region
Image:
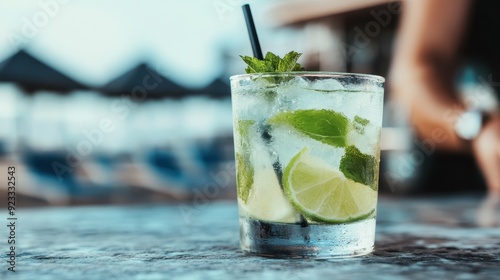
[424, 65]
[422, 80]
[486, 148]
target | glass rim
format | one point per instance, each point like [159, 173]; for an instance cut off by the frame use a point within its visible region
[324, 74]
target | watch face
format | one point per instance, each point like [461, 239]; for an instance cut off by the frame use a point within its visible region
[469, 125]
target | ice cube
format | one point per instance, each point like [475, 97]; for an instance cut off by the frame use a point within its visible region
[327, 85]
[366, 140]
[287, 143]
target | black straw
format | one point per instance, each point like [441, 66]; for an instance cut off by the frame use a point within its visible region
[252, 32]
[257, 53]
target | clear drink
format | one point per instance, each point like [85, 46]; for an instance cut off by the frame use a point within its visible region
[307, 149]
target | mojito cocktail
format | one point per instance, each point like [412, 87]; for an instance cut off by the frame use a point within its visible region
[307, 150]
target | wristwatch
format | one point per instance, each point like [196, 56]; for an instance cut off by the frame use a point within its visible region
[469, 124]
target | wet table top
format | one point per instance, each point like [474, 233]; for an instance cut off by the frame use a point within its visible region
[420, 239]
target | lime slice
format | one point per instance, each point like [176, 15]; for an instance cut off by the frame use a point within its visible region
[323, 194]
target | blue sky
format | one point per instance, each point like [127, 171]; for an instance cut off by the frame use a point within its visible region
[93, 41]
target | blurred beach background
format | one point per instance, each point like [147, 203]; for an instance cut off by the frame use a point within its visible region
[129, 101]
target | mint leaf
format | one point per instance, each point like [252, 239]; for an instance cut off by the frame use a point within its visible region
[361, 121]
[273, 60]
[254, 65]
[244, 176]
[326, 126]
[359, 167]
[245, 171]
[273, 63]
[289, 61]
[360, 124]
[243, 129]
[297, 67]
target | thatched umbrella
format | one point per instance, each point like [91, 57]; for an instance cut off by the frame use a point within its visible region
[32, 75]
[217, 88]
[144, 81]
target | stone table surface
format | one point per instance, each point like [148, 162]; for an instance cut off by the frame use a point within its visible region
[432, 238]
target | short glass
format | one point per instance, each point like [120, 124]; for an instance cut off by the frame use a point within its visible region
[307, 150]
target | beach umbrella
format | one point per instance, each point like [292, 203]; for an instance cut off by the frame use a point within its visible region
[31, 74]
[217, 88]
[143, 81]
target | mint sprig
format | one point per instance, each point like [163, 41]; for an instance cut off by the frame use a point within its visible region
[273, 63]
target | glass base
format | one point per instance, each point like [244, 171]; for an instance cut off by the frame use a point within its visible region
[307, 241]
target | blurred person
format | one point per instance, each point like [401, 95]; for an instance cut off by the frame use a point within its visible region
[435, 39]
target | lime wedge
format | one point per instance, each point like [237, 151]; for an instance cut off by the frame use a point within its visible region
[259, 192]
[266, 200]
[323, 194]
